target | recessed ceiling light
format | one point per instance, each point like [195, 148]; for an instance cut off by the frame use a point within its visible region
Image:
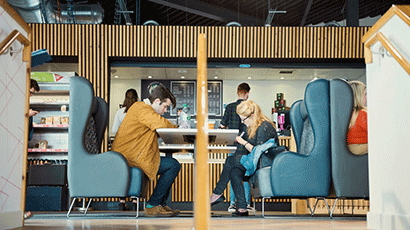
[285, 72]
[149, 76]
[315, 78]
[216, 77]
[182, 77]
[249, 77]
[116, 76]
[282, 78]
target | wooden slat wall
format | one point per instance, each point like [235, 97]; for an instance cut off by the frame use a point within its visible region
[93, 44]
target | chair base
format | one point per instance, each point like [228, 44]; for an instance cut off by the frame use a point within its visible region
[312, 212]
[89, 203]
[327, 206]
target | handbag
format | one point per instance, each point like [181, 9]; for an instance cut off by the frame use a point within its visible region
[267, 157]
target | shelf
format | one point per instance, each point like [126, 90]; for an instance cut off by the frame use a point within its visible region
[39, 157]
[50, 126]
[50, 100]
[47, 150]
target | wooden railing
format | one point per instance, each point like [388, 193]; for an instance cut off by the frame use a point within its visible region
[16, 35]
[374, 35]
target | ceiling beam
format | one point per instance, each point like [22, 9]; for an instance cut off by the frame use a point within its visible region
[302, 23]
[210, 11]
[352, 16]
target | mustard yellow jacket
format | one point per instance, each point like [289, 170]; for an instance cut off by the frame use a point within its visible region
[137, 139]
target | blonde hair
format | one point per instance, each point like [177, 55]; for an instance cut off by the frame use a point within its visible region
[359, 91]
[247, 108]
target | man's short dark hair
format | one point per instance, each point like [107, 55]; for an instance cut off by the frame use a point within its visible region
[34, 84]
[244, 88]
[163, 94]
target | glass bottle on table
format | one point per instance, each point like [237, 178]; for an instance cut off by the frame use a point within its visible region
[185, 118]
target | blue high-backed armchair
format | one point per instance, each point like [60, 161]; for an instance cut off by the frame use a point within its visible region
[350, 172]
[92, 174]
[305, 173]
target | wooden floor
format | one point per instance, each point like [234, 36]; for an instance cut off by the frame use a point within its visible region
[222, 221]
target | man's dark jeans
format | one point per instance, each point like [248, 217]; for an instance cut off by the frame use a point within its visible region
[168, 171]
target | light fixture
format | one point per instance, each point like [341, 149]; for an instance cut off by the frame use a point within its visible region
[150, 77]
[183, 77]
[116, 76]
[249, 77]
[285, 72]
[282, 78]
[216, 77]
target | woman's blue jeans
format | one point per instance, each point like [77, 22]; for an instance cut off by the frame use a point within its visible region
[247, 188]
[234, 172]
[168, 171]
[232, 197]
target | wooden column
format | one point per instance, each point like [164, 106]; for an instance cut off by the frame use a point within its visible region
[201, 178]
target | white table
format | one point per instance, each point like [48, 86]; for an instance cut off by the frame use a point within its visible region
[220, 140]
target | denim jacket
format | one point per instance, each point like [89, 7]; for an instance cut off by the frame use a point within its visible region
[250, 161]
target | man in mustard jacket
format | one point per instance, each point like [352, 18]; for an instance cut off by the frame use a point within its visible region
[137, 140]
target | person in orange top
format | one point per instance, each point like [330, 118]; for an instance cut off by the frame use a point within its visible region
[137, 140]
[357, 136]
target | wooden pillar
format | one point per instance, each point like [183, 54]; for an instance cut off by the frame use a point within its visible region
[201, 180]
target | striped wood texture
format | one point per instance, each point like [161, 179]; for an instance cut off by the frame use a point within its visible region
[94, 44]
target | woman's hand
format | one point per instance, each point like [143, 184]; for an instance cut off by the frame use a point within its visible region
[240, 140]
[32, 113]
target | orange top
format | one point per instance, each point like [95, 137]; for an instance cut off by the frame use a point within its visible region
[358, 132]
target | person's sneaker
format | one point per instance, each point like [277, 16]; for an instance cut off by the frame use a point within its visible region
[122, 207]
[157, 211]
[232, 208]
[168, 209]
[251, 209]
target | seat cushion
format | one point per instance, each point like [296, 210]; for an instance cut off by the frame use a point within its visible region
[136, 182]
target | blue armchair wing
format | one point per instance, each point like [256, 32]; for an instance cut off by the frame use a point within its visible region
[306, 173]
[349, 171]
[92, 175]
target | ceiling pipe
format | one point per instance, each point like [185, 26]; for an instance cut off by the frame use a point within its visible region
[233, 24]
[150, 23]
[32, 12]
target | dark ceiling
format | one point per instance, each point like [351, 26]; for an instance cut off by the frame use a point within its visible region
[246, 12]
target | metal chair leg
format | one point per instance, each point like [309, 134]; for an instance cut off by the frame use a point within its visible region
[263, 207]
[138, 207]
[314, 208]
[333, 208]
[89, 202]
[138, 204]
[71, 207]
[308, 204]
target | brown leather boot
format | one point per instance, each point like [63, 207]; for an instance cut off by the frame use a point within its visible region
[157, 211]
[176, 212]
